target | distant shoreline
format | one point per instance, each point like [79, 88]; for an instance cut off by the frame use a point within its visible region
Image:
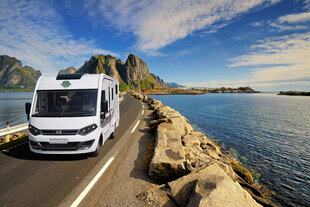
[6, 90]
[294, 93]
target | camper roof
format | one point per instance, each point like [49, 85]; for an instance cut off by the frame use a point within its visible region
[69, 81]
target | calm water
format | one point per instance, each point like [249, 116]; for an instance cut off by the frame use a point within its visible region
[270, 134]
[12, 108]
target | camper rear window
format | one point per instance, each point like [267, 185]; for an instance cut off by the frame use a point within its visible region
[65, 103]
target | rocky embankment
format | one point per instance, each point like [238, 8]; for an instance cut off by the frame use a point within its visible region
[294, 93]
[191, 169]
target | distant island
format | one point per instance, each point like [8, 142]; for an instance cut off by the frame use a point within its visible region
[231, 90]
[294, 93]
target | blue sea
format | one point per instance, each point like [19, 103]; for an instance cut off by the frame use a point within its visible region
[12, 107]
[269, 134]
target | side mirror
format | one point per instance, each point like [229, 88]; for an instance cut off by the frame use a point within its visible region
[27, 109]
[102, 115]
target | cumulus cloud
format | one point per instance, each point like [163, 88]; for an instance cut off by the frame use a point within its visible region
[33, 32]
[159, 23]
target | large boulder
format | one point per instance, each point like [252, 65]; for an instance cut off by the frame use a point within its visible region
[168, 160]
[210, 186]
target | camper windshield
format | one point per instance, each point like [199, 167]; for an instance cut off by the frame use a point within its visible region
[65, 103]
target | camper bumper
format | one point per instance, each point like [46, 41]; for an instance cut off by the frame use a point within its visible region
[76, 144]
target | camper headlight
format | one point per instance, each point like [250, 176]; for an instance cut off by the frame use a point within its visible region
[34, 131]
[87, 129]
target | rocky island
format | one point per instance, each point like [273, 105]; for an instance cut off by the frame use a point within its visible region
[294, 93]
[231, 90]
[192, 170]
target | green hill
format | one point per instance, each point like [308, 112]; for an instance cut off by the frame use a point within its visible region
[15, 77]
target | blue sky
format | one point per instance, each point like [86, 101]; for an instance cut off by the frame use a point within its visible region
[264, 44]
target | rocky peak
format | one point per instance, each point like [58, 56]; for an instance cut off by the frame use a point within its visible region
[14, 75]
[102, 64]
[160, 81]
[69, 70]
[134, 72]
[137, 73]
[7, 62]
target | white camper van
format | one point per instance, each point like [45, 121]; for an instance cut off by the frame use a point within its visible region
[73, 113]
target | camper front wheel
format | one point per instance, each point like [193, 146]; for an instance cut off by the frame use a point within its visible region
[96, 152]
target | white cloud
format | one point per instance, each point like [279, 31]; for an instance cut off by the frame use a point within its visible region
[160, 23]
[282, 28]
[33, 32]
[281, 60]
[290, 49]
[257, 24]
[295, 18]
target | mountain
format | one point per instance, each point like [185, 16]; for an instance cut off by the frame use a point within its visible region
[14, 76]
[133, 73]
[69, 70]
[174, 85]
[160, 81]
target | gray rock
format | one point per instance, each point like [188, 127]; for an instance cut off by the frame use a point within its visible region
[216, 189]
[210, 186]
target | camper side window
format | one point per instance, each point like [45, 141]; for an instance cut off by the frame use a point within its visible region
[112, 95]
[109, 97]
[116, 89]
[102, 100]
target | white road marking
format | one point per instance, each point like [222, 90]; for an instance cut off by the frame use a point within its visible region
[134, 128]
[7, 149]
[91, 184]
[143, 112]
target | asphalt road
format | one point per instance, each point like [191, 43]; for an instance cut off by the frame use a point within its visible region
[28, 179]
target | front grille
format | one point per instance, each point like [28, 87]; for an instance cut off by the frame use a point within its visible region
[70, 146]
[59, 132]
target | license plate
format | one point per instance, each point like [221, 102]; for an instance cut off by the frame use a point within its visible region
[58, 141]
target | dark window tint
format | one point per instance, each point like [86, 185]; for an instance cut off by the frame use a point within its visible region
[109, 97]
[116, 89]
[112, 94]
[66, 103]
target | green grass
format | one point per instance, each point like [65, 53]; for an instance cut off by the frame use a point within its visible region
[123, 87]
[15, 89]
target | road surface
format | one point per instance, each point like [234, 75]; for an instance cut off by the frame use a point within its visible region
[28, 179]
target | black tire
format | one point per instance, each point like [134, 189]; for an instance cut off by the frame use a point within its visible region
[96, 152]
[112, 135]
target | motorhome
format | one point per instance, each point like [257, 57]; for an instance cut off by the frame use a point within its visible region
[73, 113]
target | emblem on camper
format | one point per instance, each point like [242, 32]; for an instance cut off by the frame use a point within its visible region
[66, 84]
